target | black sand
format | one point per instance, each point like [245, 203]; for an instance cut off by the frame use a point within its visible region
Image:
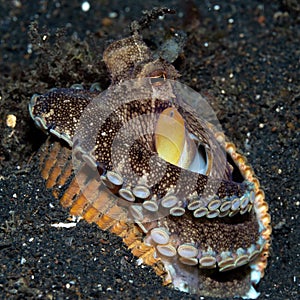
[249, 71]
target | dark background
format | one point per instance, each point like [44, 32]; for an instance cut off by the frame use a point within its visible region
[243, 57]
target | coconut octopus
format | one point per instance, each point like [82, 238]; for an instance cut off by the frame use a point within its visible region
[146, 161]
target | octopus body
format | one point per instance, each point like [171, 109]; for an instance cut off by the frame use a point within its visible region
[140, 161]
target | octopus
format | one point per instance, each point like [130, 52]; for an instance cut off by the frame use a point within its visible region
[146, 160]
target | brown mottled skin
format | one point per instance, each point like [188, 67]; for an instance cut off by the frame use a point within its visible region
[62, 108]
[217, 235]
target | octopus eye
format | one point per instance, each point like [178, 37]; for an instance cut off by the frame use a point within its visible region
[176, 145]
[157, 76]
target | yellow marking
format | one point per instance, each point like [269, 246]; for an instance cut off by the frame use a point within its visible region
[170, 135]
